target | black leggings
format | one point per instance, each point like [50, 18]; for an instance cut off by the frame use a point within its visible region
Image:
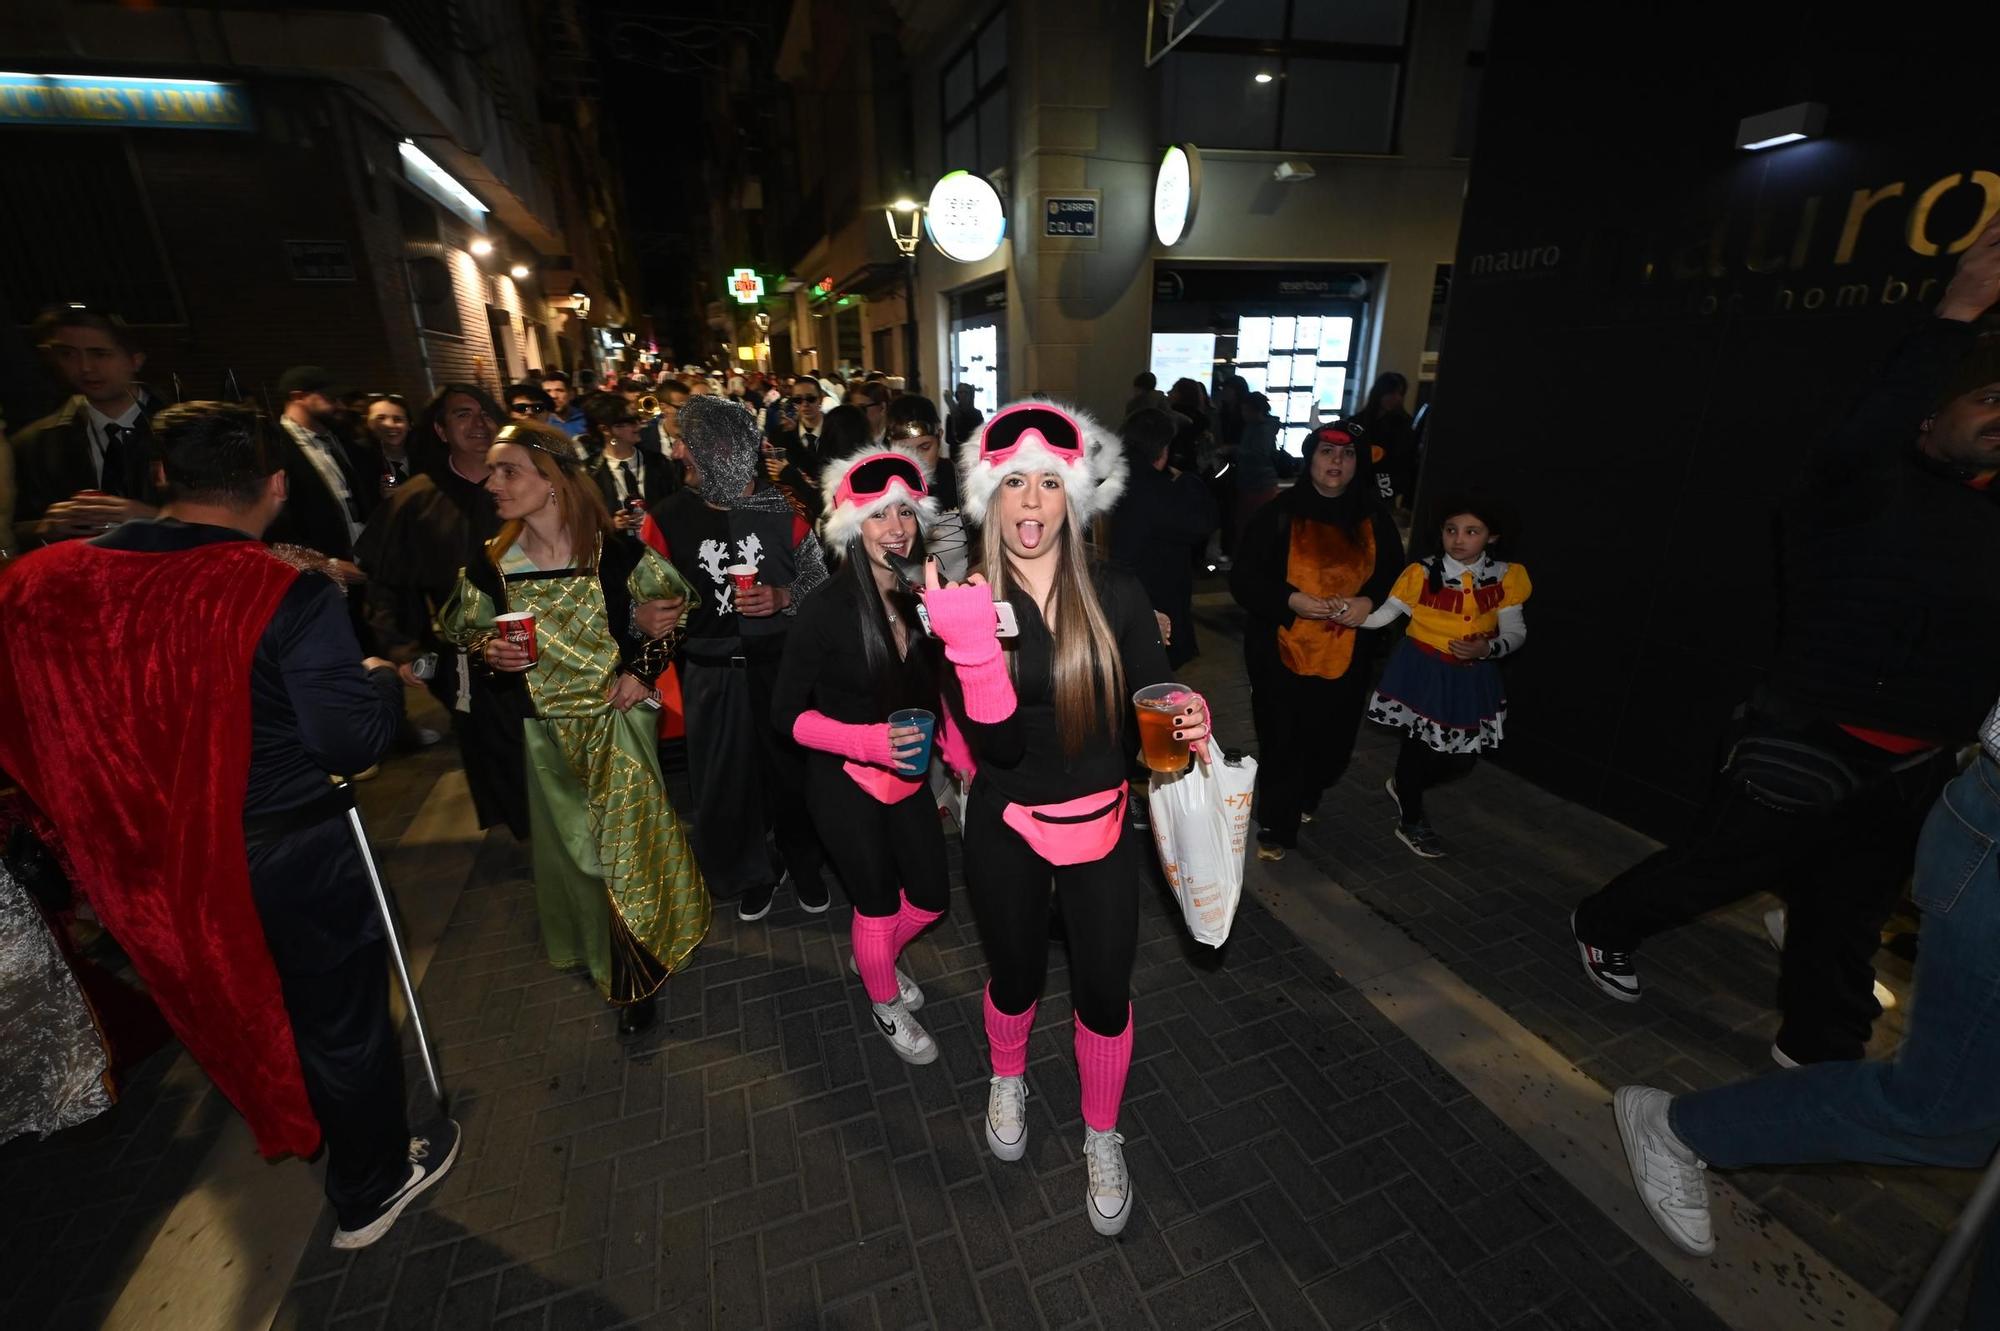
[1306, 728]
[1010, 889]
[1419, 767]
[878, 848]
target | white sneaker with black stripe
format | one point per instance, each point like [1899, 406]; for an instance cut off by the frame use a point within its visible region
[907, 992]
[912, 1043]
[431, 1158]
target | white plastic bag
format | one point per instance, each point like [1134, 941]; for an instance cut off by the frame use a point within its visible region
[1201, 824]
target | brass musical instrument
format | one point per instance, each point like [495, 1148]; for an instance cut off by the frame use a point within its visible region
[647, 407]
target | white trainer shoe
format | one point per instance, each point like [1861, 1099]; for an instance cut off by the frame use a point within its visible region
[912, 1043]
[1774, 929]
[1109, 1199]
[1668, 1175]
[1007, 1117]
[907, 992]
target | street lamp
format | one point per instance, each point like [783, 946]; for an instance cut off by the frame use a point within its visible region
[906, 227]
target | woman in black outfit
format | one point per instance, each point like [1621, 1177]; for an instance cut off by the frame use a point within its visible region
[1310, 566]
[855, 656]
[1050, 728]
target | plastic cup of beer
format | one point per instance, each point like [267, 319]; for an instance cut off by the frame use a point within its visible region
[518, 630]
[924, 721]
[742, 576]
[1157, 705]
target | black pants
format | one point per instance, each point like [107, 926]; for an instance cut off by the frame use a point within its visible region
[1010, 889]
[312, 894]
[1305, 737]
[1419, 767]
[748, 782]
[881, 851]
[1839, 871]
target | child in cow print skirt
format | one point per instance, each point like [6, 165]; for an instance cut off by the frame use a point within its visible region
[1442, 688]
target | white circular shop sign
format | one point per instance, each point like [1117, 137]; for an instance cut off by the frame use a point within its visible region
[965, 217]
[1176, 191]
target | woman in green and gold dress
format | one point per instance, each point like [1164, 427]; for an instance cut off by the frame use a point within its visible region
[615, 881]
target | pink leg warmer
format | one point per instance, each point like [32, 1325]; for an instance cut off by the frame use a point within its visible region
[875, 955]
[910, 922]
[1101, 1064]
[1007, 1037]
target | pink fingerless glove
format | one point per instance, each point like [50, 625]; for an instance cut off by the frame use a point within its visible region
[862, 743]
[966, 623]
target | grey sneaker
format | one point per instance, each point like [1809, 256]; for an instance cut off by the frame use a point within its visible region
[1109, 1199]
[907, 992]
[912, 1043]
[1667, 1173]
[1421, 840]
[1007, 1117]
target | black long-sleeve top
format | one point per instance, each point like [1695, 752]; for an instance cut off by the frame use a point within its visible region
[825, 667]
[313, 709]
[1022, 756]
[1155, 530]
[1891, 615]
[1258, 579]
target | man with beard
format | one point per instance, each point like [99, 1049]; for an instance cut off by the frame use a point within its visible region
[329, 502]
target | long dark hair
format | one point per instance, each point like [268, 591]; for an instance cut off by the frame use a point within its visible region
[1356, 506]
[897, 679]
[1386, 383]
[843, 431]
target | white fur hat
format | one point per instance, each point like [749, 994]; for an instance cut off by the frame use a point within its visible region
[884, 479]
[1038, 435]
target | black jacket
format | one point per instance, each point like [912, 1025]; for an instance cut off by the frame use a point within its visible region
[52, 461]
[1156, 531]
[655, 476]
[1891, 616]
[313, 515]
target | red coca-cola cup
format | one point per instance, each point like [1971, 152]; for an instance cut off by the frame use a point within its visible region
[518, 630]
[742, 576]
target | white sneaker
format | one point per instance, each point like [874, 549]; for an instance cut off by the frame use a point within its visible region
[1774, 929]
[1007, 1117]
[912, 1043]
[1109, 1200]
[907, 992]
[1783, 1059]
[1668, 1175]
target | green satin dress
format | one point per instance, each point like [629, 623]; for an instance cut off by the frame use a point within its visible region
[616, 882]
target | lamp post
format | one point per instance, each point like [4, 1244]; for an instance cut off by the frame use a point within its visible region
[906, 226]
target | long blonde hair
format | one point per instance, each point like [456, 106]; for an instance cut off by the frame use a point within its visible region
[1087, 677]
[584, 516]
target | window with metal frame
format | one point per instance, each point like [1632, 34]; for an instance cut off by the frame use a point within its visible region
[973, 94]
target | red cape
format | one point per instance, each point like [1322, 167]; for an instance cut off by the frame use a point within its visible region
[125, 715]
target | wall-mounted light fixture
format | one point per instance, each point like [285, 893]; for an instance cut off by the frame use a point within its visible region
[519, 271]
[1773, 129]
[481, 246]
[1262, 76]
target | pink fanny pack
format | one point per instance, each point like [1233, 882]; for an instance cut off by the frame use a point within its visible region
[883, 784]
[1074, 832]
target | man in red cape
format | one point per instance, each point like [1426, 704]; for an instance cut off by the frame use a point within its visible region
[172, 698]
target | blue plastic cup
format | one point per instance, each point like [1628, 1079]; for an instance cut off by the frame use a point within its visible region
[924, 721]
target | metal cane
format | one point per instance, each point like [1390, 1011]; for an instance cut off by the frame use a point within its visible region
[1964, 1234]
[396, 950]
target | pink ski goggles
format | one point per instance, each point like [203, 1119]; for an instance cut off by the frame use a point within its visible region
[1031, 422]
[870, 480]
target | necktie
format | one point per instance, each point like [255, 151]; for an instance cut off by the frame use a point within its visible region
[401, 471]
[112, 479]
[812, 442]
[631, 484]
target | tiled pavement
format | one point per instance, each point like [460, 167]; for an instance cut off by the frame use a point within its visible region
[762, 1159]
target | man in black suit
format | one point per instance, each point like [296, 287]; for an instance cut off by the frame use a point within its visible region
[801, 445]
[89, 466]
[629, 478]
[329, 501]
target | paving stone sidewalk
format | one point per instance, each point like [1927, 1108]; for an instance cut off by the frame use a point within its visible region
[762, 1159]
[1496, 912]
